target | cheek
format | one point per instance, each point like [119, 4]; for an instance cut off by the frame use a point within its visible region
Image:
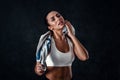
[52, 23]
[62, 18]
[49, 23]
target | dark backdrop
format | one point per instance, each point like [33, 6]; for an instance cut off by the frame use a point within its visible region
[97, 27]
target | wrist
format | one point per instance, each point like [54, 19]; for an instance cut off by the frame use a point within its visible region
[72, 36]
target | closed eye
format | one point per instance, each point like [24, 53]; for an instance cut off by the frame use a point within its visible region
[52, 19]
[58, 15]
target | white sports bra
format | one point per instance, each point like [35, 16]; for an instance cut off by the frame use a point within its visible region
[58, 58]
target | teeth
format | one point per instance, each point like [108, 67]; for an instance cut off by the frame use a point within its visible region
[60, 23]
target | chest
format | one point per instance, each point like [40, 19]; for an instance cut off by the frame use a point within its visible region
[62, 45]
[59, 58]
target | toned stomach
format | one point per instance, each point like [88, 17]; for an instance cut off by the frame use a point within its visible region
[59, 73]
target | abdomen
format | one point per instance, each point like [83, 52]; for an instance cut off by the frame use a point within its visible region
[59, 73]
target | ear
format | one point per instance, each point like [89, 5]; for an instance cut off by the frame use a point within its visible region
[50, 27]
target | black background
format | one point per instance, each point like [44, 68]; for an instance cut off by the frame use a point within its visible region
[97, 27]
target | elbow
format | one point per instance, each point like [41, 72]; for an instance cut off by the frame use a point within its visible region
[84, 58]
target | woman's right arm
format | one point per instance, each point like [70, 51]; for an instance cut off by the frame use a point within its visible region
[38, 69]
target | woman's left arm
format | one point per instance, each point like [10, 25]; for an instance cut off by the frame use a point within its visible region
[79, 49]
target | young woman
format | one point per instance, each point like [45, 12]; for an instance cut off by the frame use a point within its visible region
[63, 49]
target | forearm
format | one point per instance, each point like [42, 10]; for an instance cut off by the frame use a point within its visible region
[79, 49]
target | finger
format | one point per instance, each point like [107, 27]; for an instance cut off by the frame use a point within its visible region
[38, 65]
[66, 21]
[67, 26]
[40, 70]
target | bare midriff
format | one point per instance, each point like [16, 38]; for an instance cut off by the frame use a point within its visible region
[59, 73]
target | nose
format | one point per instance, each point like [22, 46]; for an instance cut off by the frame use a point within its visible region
[57, 18]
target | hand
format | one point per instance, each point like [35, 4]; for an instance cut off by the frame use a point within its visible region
[69, 28]
[39, 69]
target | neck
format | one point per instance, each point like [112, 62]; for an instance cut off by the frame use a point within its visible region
[58, 35]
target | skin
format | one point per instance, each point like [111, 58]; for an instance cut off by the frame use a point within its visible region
[56, 23]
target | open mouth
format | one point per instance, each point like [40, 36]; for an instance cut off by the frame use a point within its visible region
[61, 23]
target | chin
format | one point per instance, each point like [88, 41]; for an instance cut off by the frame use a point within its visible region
[61, 26]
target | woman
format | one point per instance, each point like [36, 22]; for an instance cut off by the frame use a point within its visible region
[63, 47]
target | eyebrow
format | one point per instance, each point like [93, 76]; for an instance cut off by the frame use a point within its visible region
[58, 14]
[55, 15]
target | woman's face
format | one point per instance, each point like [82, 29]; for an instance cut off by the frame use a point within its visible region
[55, 20]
